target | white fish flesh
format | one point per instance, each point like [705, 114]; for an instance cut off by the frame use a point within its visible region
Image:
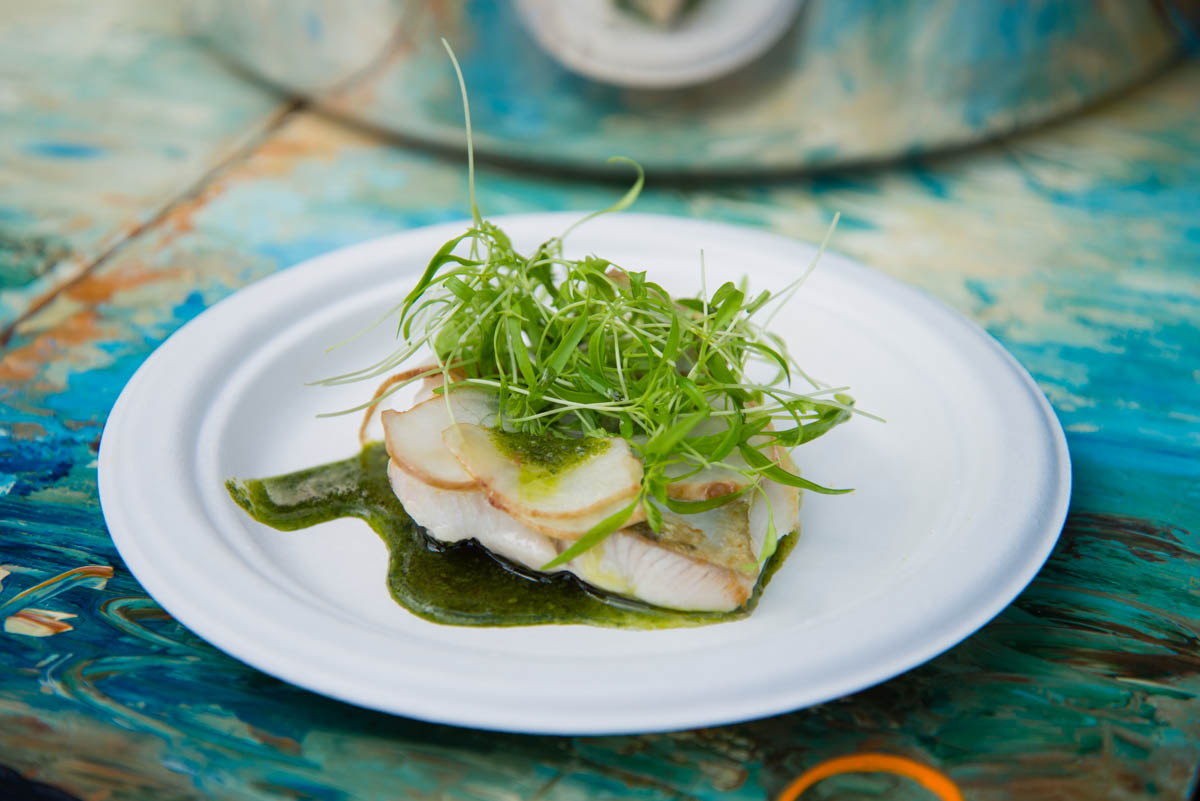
[459, 485]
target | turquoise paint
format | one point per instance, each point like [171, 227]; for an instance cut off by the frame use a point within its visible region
[908, 77]
[64, 150]
[115, 103]
[24, 258]
[980, 290]
[1064, 250]
[312, 24]
[192, 305]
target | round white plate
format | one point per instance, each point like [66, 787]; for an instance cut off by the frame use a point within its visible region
[959, 498]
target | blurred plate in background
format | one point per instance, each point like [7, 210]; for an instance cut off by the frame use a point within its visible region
[844, 81]
[656, 44]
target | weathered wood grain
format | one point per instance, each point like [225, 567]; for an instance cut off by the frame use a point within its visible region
[1078, 247]
[107, 113]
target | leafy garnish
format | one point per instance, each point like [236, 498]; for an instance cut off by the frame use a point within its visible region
[582, 347]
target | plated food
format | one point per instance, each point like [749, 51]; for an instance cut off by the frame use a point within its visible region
[572, 416]
[578, 418]
[957, 500]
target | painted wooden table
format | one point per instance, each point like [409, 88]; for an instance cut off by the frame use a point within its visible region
[140, 182]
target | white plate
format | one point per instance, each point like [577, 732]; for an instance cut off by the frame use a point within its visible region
[960, 498]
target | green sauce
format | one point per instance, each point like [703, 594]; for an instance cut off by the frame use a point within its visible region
[542, 459]
[462, 583]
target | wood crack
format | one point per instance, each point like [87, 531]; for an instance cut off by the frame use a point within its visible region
[239, 155]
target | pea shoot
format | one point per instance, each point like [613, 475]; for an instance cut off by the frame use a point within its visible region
[586, 348]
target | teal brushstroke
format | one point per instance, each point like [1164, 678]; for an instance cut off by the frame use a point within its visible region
[25, 257]
[1110, 337]
[981, 291]
[64, 150]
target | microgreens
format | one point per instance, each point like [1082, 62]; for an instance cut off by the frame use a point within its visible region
[582, 347]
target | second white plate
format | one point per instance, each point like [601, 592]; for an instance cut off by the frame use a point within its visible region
[960, 497]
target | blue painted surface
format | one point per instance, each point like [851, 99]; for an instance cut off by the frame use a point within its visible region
[1077, 247]
[108, 113]
[64, 150]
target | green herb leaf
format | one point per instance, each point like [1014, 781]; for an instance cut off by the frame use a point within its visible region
[776, 473]
[517, 345]
[695, 507]
[665, 441]
[594, 535]
[572, 347]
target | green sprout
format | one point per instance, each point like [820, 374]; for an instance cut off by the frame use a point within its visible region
[585, 348]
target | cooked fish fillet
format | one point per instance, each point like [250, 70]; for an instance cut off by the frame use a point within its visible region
[702, 562]
[624, 563]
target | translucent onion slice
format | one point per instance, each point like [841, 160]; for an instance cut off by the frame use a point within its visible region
[414, 438]
[572, 528]
[589, 484]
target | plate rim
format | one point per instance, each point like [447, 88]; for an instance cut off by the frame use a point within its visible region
[118, 520]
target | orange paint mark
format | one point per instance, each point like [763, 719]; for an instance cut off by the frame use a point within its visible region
[29, 723]
[146, 614]
[178, 219]
[98, 770]
[286, 745]
[99, 573]
[933, 780]
[80, 222]
[99, 287]
[28, 431]
[306, 136]
[300, 137]
[303, 137]
[25, 362]
[37, 622]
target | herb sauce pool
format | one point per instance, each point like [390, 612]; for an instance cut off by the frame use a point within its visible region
[461, 583]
